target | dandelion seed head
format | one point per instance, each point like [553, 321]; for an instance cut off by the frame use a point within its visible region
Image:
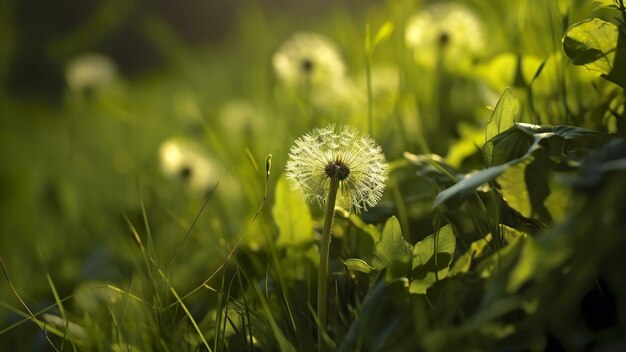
[308, 58]
[90, 71]
[185, 162]
[449, 32]
[340, 152]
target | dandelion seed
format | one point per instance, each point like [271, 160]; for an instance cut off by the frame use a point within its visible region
[342, 153]
[446, 32]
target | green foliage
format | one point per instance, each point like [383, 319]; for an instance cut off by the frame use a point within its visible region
[506, 112]
[291, 215]
[359, 265]
[392, 251]
[431, 259]
[599, 47]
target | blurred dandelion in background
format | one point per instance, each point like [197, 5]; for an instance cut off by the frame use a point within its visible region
[310, 65]
[446, 33]
[308, 59]
[340, 152]
[185, 162]
[87, 73]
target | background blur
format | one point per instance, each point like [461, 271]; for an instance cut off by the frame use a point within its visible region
[114, 112]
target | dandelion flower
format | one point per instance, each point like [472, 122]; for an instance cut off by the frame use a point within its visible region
[185, 162]
[90, 71]
[310, 66]
[308, 59]
[446, 32]
[344, 154]
[336, 164]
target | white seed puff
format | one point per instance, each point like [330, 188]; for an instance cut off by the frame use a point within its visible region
[343, 152]
[445, 32]
[308, 58]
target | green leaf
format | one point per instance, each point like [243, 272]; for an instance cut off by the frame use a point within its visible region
[503, 117]
[593, 43]
[563, 144]
[383, 33]
[479, 248]
[357, 222]
[359, 265]
[502, 259]
[513, 187]
[291, 215]
[392, 251]
[444, 240]
[454, 196]
[508, 145]
[464, 262]
[427, 267]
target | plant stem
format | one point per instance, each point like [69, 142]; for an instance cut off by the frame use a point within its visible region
[322, 284]
[368, 80]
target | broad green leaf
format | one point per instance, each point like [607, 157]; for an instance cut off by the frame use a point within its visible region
[464, 262]
[593, 43]
[503, 117]
[454, 196]
[359, 265]
[563, 144]
[291, 215]
[508, 145]
[421, 285]
[480, 247]
[513, 187]
[517, 141]
[503, 258]
[558, 200]
[392, 251]
[444, 241]
[431, 258]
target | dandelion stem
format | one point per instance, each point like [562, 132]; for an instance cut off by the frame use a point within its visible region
[322, 286]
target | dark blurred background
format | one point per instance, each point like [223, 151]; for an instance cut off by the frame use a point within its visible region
[38, 37]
